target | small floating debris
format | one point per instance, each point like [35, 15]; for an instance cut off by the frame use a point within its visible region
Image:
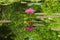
[55, 29]
[5, 21]
[39, 22]
[23, 2]
[38, 25]
[40, 14]
[31, 4]
[47, 16]
[50, 18]
[58, 14]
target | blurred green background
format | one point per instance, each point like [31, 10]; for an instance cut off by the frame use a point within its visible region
[14, 10]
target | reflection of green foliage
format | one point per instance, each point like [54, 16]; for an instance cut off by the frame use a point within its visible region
[6, 33]
[7, 2]
[16, 13]
[51, 7]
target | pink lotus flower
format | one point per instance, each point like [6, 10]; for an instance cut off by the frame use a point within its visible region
[29, 28]
[30, 10]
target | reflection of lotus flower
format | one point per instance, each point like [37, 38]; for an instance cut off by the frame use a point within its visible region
[29, 10]
[29, 28]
